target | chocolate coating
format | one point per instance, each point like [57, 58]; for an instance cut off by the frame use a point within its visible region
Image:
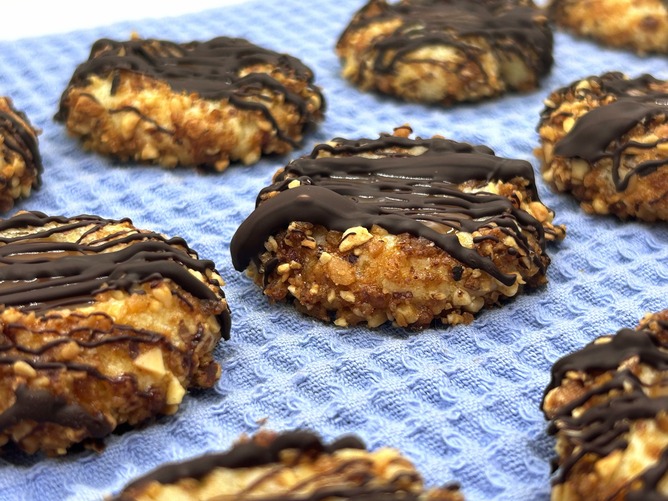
[505, 25]
[210, 69]
[37, 274]
[402, 193]
[598, 133]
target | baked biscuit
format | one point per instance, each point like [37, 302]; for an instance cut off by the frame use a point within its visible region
[446, 51]
[605, 140]
[399, 229]
[639, 25]
[291, 466]
[197, 103]
[608, 404]
[102, 324]
[20, 160]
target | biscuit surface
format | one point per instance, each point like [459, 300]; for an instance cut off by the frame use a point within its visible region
[605, 140]
[20, 160]
[399, 229]
[446, 51]
[194, 104]
[639, 25]
[290, 466]
[102, 324]
[608, 404]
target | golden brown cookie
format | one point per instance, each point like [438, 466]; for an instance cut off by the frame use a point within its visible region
[605, 140]
[102, 324]
[608, 404]
[290, 466]
[198, 103]
[397, 229]
[20, 160]
[446, 51]
[639, 25]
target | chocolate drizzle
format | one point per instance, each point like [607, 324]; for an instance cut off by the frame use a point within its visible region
[42, 406]
[214, 70]
[598, 134]
[400, 192]
[245, 455]
[39, 274]
[19, 138]
[601, 428]
[507, 26]
[249, 455]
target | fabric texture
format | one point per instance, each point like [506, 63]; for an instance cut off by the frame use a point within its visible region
[461, 402]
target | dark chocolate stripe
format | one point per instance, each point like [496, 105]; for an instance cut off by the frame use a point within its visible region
[43, 406]
[598, 134]
[36, 274]
[211, 69]
[507, 26]
[399, 192]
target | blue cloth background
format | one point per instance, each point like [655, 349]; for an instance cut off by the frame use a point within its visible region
[461, 402]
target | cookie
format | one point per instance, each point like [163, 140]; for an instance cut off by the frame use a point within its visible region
[641, 26]
[102, 324]
[608, 404]
[290, 466]
[397, 229]
[605, 140]
[20, 160]
[192, 104]
[446, 51]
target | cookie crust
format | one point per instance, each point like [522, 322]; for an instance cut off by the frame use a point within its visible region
[102, 324]
[608, 406]
[604, 139]
[446, 51]
[637, 25]
[397, 229]
[20, 159]
[193, 104]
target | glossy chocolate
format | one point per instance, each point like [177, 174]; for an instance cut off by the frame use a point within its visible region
[412, 192]
[598, 134]
[213, 70]
[509, 27]
[601, 428]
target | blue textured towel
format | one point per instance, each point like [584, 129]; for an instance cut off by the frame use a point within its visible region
[461, 402]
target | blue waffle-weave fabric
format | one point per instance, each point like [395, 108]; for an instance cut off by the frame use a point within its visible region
[461, 402]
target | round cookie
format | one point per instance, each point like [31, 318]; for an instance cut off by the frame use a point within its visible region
[20, 160]
[102, 324]
[194, 104]
[605, 140]
[446, 51]
[639, 25]
[290, 466]
[608, 406]
[397, 229]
